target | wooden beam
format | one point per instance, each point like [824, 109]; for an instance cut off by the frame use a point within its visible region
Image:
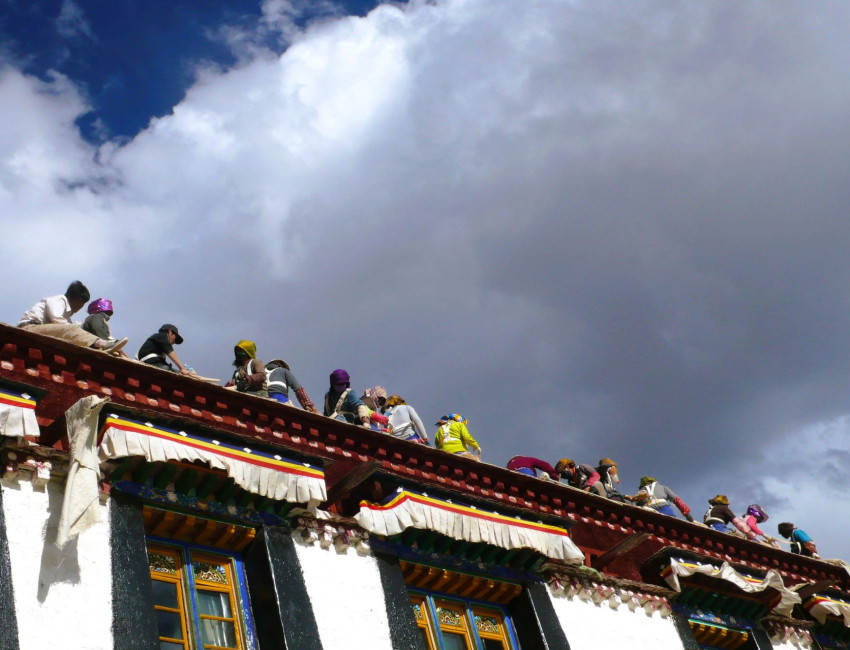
[812, 589]
[344, 476]
[621, 548]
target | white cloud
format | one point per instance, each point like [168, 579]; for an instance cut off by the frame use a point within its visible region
[595, 230]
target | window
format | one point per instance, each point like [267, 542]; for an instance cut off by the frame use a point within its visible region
[455, 624]
[197, 597]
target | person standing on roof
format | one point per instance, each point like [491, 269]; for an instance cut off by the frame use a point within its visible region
[583, 477]
[159, 348]
[801, 543]
[404, 421]
[659, 497]
[97, 322]
[52, 317]
[342, 403]
[250, 374]
[280, 379]
[720, 517]
[453, 437]
[531, 466]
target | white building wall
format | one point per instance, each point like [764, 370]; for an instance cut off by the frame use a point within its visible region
[63, 599]
[589, 626]
[347, 597]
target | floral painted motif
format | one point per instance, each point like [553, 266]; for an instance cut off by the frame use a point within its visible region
[210, 572]
[486, 624]
[162, 563]
[449, 617]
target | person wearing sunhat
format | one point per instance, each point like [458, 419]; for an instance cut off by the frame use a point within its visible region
[754, 516]
[658, 497]
[281, 379]
[608, 477]
[454, 438]
[159, 348]
[580, 476]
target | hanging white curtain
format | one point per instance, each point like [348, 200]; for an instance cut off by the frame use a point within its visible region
[750, 584]
[255, 471]
[17, 414]
[467, 523]
[821, 606]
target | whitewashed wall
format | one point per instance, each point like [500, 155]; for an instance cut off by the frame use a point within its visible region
[347, 597]
[589, 626]
[63, 599]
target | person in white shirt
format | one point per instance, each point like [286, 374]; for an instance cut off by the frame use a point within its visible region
[52, 316]
[404, 421]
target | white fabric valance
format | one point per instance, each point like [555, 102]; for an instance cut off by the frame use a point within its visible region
[17, 414]
[822, 606]
[257, 472]
[750, 584]
[411, 510]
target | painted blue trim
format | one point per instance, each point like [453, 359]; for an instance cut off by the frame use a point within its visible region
[243, 604]
[212, 509]
[438, 560]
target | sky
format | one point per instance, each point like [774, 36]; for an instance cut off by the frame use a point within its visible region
[596, 229]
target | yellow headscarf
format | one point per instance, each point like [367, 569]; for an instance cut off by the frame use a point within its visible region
[248, 347]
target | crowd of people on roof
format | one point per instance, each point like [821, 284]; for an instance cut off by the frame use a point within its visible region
[390, 414]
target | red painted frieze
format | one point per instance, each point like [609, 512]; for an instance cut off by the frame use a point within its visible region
[66, 372]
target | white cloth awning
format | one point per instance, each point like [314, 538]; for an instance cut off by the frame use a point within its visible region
[750, 584]
[17, 414]
[820, 607]
[411, 510]
[258, 472]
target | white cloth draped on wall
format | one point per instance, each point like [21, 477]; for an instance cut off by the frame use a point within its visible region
[772, 580]
[257, 472]
[17, 414]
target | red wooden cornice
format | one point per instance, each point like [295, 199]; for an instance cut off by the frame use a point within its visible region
[66, 372]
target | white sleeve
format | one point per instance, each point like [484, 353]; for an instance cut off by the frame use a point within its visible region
[417, 423]
[55, 308]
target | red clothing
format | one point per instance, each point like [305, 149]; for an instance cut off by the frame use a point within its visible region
[529, 462]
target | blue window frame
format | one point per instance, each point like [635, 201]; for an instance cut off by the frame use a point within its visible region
[447, 622]
[200, 597]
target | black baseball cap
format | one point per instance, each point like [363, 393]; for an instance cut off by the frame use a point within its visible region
[173, 328]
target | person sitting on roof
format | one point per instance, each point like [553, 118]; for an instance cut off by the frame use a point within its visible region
[159, 347]
[280, 379]
[720, 516]
[454, 438]
[607, 470]
[754, 516]
[375, 399]
[658, 497]
[582, 476]
[97, 322]
[342, 403]
[404, 421]
[531, 466]
[801, 543]
[52, 316]
[250, 374]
